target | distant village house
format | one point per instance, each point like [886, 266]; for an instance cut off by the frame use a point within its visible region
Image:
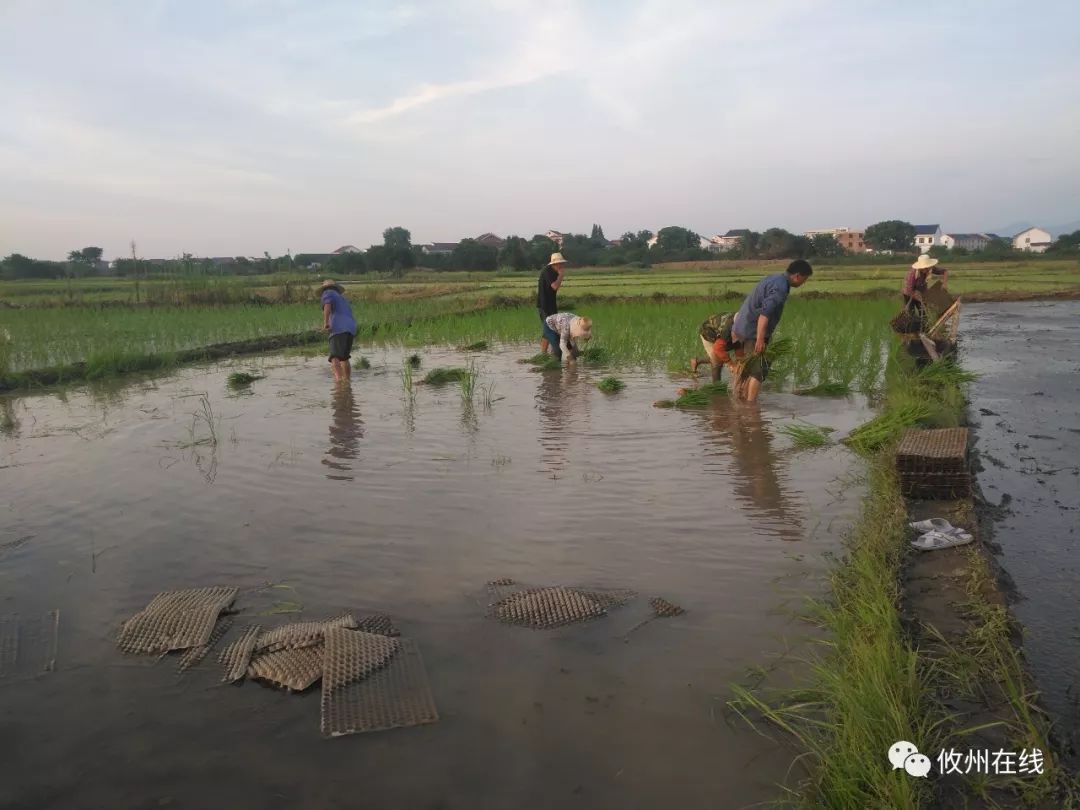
[927, 236]
[967, 241]
[1032, 240]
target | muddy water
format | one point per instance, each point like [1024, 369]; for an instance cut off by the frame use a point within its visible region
[1027, 406]
[351, 499]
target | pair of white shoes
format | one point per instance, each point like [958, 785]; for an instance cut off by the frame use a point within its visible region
[938, 533]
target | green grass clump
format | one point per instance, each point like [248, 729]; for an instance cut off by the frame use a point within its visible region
[943, 373]
[805, 437]
[442, 376]
[825, 389]
[478, 346]
[544, 362]
[595, 355]
[611, 385]
[241, 379]
[701, 397]
[363, 362]
[886, 428]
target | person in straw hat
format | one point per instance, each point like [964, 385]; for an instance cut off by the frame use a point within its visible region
[915, 282]
[551, 278]
[339, 323]
[570, 331]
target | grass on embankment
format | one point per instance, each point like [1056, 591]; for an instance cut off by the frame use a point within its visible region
[871, 683]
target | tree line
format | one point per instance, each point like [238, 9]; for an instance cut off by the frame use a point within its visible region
[397, 254]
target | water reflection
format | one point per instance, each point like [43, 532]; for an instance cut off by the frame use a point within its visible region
[558, 408]
[738, 431]
[9, 419]
[346, 431]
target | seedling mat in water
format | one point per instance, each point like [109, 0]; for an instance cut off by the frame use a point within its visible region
[396, 696]
[175, 620]
[542, 608]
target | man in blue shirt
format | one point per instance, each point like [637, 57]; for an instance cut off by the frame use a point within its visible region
[758, 316]
[339, 322]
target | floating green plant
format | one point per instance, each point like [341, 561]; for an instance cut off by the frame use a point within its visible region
[242, 379]
[611, 385]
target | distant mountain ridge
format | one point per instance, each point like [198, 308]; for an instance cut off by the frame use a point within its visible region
[1055, 230]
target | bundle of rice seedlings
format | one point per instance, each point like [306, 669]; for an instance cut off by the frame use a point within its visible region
[543, 362]
[363, 362]
[664, 403]
[887, 427]
[774, 350]
[442, 376]
[806, 436]
[825, 389]
[414, 360]
[702, 396]
[596, 355]
[240, 379]
[611, 385]
[944, 373]
[479, 346]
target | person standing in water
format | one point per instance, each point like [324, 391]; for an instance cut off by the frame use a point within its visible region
[339, 322]
[551, 279]
[758, 317]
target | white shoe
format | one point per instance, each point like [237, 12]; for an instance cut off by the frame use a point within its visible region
[932, 525]
[933, 541]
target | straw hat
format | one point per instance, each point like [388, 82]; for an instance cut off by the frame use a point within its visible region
[330, 284]
[556, 258]
[581, 328]
[924, 262]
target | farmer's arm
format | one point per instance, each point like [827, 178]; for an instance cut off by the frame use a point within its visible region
[558, 280]
[326, 309]
[762, 330]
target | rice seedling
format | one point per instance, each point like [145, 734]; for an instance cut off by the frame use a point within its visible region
[413, 360]
[5, 352]
[543, 362]
[611, 385]
[700, 397]
[595, 355]
[478, 346]
[406, 374]
[825, 389]
[468, 379]
[805, 436]
[886, 428]
[442, 376]
[242, 379]
[943, 373]
[363, 363]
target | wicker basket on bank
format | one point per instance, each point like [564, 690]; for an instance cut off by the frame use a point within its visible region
[932, 464]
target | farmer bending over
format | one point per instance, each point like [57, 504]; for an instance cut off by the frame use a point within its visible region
[915, 283]
[338, 320]
[568, 330]
[757, 318]
[551, 278]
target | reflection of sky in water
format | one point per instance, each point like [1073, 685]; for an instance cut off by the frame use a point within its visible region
[1027, 411]
[353, 499]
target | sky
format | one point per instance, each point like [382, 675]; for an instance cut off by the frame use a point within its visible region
[234, 127]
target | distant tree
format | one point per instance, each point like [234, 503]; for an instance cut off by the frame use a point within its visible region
[959, 251]
[514, 253]
[540, 249]
[346, 264]
[826, 246]
[379, 259]
[580, 250]
[18, 266]
[597, 237]
[471, 255]
[631, 240]
[939, 252]
[777, 243]
[892, 234]
[1068, 243]
[675, 239]
[998, 249]
[398, 243]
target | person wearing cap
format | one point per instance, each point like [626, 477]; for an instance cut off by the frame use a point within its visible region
[339, 322]
[915, 282]
[569, 331]
[551, 278]
[758, 318]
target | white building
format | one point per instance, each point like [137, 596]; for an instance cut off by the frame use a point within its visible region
[968, 241]
[926, 237]
[1033, 240]
[824, 232]
[732, 239]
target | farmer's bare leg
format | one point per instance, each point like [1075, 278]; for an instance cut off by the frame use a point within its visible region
[336, 364]
[346, 370]
[544, 345]
[753, 387]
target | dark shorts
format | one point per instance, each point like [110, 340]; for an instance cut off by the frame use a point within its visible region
[757, 367]
[341, 346]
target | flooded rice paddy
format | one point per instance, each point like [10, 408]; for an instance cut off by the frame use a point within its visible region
[353, 498]
[1026, 405]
